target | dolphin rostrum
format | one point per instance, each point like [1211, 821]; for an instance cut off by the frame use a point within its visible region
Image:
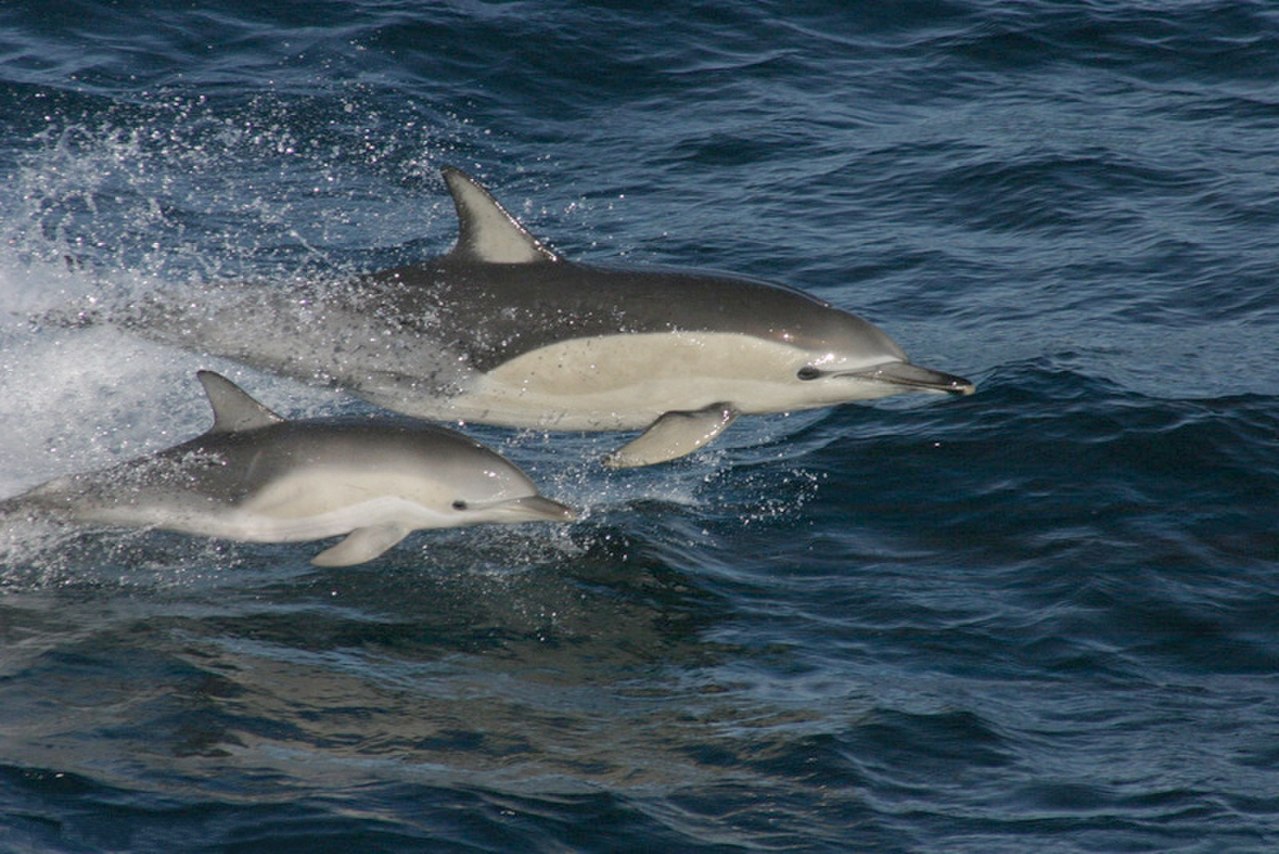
[502, 330]
[257, 477]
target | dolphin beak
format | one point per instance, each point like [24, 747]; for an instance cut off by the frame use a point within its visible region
[914, 377]
[536, 508]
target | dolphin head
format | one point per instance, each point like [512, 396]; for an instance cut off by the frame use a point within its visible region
[838, 357]
[479, 486]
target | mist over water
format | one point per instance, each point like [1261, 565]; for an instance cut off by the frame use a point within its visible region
[1038, 617]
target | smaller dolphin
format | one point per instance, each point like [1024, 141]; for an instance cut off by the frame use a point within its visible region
[256, 477]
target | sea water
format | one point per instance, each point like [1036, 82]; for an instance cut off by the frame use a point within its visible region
[1044, 617]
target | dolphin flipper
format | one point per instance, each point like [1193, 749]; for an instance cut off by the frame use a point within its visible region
[673, 435]
[361, 545]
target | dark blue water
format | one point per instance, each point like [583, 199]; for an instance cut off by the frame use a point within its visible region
[1041, 618]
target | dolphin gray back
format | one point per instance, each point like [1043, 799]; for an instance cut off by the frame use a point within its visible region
[491, 313]
[249, 460]
[500, 293]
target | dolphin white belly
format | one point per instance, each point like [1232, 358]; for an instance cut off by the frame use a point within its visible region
[626, 382]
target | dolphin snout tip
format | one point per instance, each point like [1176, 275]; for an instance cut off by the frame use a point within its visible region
[541, 508]
[564, 513]
[926, 379]
[911, 377]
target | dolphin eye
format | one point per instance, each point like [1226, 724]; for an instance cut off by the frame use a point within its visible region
[808, 372]
[459, 505]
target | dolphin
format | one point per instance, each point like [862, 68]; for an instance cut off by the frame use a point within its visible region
[503, 330]
[255, 477]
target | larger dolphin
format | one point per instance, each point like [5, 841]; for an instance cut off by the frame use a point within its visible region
[502, 330]
[257, 477]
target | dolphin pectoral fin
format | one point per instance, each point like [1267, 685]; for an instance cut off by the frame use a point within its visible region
[361, 545]
[673, 435]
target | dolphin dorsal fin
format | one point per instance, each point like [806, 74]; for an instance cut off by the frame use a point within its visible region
[233, 409]
[486, 232]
